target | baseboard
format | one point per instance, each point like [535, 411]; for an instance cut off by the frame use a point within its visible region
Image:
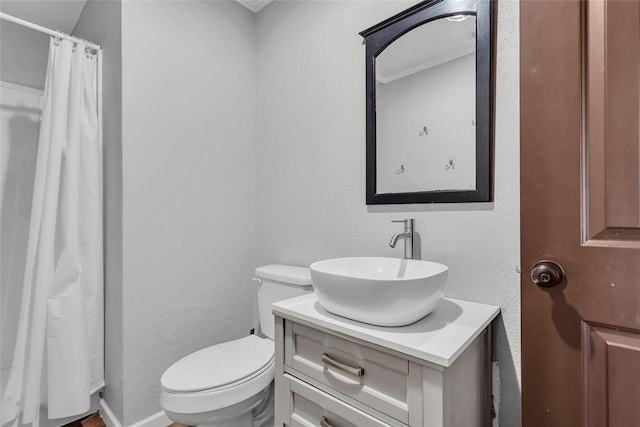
[158, 419]
[108, 416]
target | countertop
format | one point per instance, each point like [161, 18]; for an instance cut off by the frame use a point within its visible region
[438, 338]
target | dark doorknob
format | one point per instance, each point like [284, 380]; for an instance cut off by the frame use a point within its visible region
[547, 274]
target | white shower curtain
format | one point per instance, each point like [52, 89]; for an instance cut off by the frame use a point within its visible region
[59, 346]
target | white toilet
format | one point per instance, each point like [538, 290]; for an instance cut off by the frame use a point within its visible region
[230, 384]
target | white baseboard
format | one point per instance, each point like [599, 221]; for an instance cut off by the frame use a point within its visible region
[158, 419]
[108, 416]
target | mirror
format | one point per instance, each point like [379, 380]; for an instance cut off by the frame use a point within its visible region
[425, 109]
[429, 104]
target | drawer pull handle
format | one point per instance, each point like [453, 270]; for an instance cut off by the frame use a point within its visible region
[324, 422]
[358, 372]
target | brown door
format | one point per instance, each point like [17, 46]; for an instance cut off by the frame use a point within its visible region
[580, 204]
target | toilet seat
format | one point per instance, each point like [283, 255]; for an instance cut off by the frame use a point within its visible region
[218, 376]
[218, 365]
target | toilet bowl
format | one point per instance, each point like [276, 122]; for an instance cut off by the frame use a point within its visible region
[230, 384]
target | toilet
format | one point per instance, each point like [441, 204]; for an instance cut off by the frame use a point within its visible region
[231, 384]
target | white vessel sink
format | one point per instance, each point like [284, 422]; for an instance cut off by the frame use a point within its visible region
[377, 290]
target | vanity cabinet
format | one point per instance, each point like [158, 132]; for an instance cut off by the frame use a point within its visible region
[334, 372]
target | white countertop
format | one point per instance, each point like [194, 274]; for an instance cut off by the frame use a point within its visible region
[439, 338]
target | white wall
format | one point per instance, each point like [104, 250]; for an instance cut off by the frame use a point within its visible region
[100, 22]
[310, 136]
[442, 99]
[188, 151]
[198, 195]
[23, 55]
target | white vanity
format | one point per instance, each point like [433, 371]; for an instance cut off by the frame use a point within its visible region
[334, 372]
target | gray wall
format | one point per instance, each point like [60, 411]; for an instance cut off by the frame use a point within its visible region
[180, 181]
[23, 55]
[403, 108]
[100, 22]
[310, 146]
[188, 81]
[217, 159]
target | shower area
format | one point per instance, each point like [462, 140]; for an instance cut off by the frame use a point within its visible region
[51, 233]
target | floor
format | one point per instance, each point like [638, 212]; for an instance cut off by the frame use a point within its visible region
[93, 420]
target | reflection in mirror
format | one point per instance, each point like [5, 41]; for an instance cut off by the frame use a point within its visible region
[429, 104]
[426, 108]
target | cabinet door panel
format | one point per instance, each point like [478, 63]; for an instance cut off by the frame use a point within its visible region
[310, 406]
[384, 385]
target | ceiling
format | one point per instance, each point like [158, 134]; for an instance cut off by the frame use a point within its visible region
[426, 46]
[62, 15]
[254, 5]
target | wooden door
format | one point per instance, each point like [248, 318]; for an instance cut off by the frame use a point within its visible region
[580, 204]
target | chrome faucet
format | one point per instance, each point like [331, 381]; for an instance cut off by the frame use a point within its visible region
[407, 235]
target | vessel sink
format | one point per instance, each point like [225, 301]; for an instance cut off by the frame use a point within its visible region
[377, 290]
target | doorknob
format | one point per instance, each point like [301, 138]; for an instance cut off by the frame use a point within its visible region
[547, 274]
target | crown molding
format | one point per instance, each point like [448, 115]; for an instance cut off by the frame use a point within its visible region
[383, 79]
[255, 5]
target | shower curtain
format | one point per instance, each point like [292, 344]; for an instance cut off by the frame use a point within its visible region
[59, 345]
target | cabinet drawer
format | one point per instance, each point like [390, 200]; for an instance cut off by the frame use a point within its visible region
[310, 407]
[384, 382]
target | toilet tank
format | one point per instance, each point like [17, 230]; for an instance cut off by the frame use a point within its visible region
[279, 282]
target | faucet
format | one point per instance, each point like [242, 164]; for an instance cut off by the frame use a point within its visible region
[407, 235]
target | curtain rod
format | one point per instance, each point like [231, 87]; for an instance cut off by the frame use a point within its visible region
[45, 30]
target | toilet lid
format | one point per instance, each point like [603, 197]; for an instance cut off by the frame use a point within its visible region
[218, 365]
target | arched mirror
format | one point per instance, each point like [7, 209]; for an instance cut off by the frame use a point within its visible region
[429, 104]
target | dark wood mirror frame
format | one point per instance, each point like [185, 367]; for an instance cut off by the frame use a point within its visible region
[379, 37]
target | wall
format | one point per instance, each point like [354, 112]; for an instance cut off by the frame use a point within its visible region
[448, 113]
[310, 174]
[198, 195]
[188, 152]
[23, 55]
[100, 22]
